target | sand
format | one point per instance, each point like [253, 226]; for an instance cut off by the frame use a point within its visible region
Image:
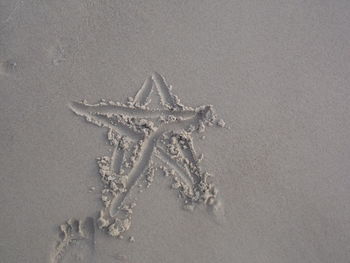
[266, 180]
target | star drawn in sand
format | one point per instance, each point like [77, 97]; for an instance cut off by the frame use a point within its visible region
[148, 139]
[150, 134]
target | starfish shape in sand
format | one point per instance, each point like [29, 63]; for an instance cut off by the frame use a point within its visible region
[142, 136]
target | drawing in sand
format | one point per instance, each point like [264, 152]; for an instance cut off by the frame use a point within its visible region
[147, 139]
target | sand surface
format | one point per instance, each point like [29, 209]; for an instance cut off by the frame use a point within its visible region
[277, 73]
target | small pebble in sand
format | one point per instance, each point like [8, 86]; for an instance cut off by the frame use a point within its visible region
[131, 239]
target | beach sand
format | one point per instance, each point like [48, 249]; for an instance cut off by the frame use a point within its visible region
[276, 73]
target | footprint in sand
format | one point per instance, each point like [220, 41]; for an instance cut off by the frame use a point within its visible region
[76, 242]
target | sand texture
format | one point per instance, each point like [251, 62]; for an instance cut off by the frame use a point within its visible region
[174, 131]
